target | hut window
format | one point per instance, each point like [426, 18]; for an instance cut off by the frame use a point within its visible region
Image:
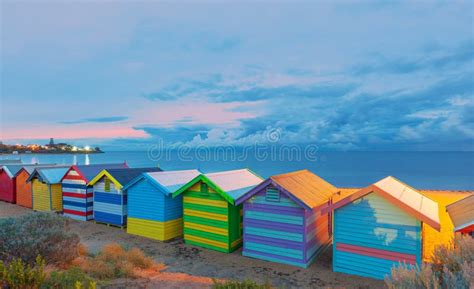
[272, 195]
[107, 185]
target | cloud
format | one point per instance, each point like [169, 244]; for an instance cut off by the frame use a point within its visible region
[430, 59]
[96, 120]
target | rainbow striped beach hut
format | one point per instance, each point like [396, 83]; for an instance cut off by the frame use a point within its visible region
[379, 226]
[211, 218]
[78, 196]
[152, 212]
[283, 221]
[110, 203]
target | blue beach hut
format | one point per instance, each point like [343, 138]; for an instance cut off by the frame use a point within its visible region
[110, 202]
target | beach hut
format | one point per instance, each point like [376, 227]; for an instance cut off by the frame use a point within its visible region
[46, 188]
[77, 194]
[283, 221]
[211, 218]
[24, 194]
[152, 212]
[110, 203]
[462, 215]
[8, 175]
[380, 226]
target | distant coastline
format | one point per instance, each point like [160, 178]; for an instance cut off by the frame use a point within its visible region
[50, 148]
[52, 153]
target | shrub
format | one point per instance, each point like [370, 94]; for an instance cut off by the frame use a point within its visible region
[115, 262]
[453, 267]
[71, 278]
[233, 284]
[44, 234]
[20, 275]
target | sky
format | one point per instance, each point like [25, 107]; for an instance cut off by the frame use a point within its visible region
[344, 75]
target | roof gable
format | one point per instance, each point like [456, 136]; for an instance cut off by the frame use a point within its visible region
[49, 175]
[166, 182]
[88, 172]
[122, 176]
[12, 170]
[403, 196]
[30, 169]
[304, 187]
[231, 185]
[462, 212]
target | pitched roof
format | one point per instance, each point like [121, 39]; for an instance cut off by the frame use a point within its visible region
[166, 181]
[304, 187]
[13, 169]
[49, 175]
[462, 213]
[88, 172]
[235, 183]
[30, 169]
[231, 185]
[122, 176]
[402, 195]
[309, 188]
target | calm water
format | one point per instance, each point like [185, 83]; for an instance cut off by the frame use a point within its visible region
[423, 170]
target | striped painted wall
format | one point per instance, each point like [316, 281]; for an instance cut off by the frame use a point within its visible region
[110, 205]
[46, 197]
[153, 215]
[279, 230]
[77, 197]
[24, 195]
[210, 221]
[317, 234]
[371, 235]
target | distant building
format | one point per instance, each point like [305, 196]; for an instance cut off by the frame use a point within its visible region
[51, 142]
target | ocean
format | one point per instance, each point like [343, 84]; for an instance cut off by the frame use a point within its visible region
[422, 170]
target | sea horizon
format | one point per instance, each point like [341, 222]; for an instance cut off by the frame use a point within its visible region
[437, 170]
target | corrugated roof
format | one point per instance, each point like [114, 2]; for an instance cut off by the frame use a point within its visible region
[408, 198]
[90, 171]
[307, 187]
[30, 169]
[50, 175]
[172, 180]
[235, 183]
[462, 213]
[125, 175]
[12, 170]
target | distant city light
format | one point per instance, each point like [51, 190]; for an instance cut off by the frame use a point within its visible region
[74, 149]
[87, 148]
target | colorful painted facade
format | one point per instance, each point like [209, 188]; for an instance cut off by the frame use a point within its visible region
[46, 188]
[24, 193]
[283, 221]
[78, 197]
[110, 203]
[211, 218]
[380, 226]
[462, 215]
[8, 174]
[152, 211]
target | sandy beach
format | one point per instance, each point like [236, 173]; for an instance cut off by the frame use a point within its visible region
[193, 267]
